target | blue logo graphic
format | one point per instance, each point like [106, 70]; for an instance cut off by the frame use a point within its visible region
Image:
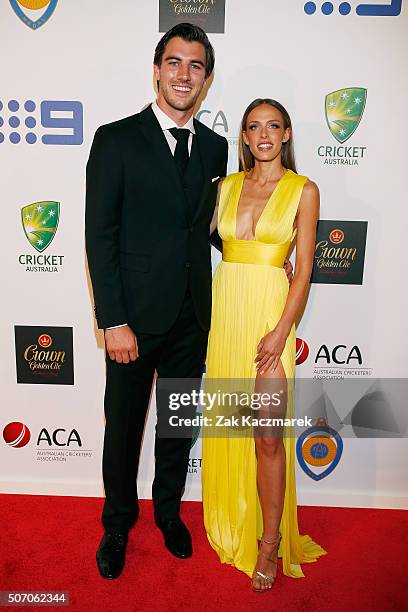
[318, 447]
[388, 9]
[25, 122]
[34, 5]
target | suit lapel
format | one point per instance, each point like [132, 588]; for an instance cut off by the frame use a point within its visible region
[206, 148]
[161, 155]
[162, 158]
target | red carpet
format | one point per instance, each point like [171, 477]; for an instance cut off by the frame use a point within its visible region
[49, 543]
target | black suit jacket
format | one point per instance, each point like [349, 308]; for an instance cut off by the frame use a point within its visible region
[143, 249]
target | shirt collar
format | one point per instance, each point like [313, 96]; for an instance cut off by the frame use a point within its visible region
[166, 122]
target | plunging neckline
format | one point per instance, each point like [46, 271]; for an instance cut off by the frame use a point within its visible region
[264, 208]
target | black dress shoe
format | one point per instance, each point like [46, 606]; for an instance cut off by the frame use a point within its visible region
[111, 554]
[177, 537]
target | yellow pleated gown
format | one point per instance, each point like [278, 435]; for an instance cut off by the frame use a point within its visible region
[250, 288]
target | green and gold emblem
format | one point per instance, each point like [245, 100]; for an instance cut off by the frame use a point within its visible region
[344, 110]
[40, 222]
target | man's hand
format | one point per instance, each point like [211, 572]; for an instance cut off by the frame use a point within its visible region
[289, 270]
[121, 344]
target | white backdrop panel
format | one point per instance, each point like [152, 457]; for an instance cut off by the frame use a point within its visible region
[101, 55]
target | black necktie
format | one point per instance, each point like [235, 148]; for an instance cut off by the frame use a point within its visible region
[181, 156]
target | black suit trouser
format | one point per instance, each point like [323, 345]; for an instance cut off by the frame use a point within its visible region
[178, 353]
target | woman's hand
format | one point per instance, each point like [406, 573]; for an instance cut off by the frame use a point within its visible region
[269, 350]
[287, 266]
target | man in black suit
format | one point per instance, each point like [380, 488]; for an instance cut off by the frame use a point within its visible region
[151, 181]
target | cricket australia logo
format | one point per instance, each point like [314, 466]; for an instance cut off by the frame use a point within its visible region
[344, 110]
[40, 223]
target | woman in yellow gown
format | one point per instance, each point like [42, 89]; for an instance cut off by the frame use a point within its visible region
[249, 490]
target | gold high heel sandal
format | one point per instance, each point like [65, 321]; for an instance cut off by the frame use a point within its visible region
[270, 579]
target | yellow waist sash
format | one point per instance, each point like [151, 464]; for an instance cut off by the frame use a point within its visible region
[254, 252]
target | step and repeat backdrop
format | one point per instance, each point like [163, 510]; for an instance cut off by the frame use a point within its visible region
[338, 67]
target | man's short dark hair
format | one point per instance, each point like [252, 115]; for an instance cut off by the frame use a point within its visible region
[189, 33]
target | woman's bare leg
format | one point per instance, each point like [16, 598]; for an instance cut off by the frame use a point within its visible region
[271, 470]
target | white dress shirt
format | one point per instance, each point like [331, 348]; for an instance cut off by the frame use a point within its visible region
[166, 123]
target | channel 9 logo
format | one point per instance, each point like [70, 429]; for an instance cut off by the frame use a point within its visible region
[48, 121]
[386, 9]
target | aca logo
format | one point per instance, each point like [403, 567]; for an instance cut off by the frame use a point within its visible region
[344, 110]
[302, 351]
[213, 121]
[47, 121]
[319, 447]
[60, 445]
[387, 9]
[40, 223]
[16, 434]
[339, 354]
[59, 437]
[218, 122]
[34, 5]
[50, 445]
[339, 362]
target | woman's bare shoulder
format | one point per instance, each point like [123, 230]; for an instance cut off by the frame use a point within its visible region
[310, 188]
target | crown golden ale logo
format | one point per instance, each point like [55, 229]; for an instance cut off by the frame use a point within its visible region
[41, 359]
[45, 340]
[209, 14]
[192, 7]
[328, 256]
[339, 252]
[336, 236]
[44, 355]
